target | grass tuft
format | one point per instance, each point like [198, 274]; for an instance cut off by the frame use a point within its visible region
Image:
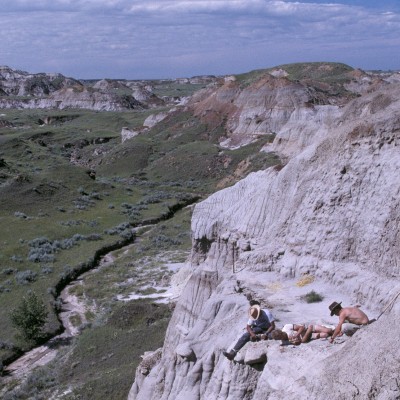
[312, 297]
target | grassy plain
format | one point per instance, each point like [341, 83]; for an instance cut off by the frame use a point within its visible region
[57, 221]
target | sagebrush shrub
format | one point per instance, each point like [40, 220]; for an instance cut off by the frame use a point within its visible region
[17, 259]
[313, 297]
[42, 249]
[25, 277]
[46, 269]
[124, 230]
[9, 271]
[162, 241]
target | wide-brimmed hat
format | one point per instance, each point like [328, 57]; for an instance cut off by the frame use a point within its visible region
[333, 306]
[254, 311]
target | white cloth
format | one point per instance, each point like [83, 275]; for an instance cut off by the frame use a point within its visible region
[289, 330]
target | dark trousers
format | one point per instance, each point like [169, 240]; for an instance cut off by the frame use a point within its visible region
[246, 338]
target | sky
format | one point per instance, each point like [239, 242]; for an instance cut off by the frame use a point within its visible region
[149, 39]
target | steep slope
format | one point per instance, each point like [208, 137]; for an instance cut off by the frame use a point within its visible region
[295, 101]
[332, 213]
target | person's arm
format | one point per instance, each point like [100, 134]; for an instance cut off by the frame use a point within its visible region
[251, 333]
[338, 328]
[299, 329]
[271, 320]
[271, 328]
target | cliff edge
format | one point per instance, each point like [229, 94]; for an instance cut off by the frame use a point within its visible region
[331, 215]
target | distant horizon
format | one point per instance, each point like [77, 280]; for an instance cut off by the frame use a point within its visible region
[168, 39]
[195, 76]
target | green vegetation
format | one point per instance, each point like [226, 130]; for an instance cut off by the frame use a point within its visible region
[323, 78]
[58, 220]
[35, 386]
[251, 77]
[103, 362]
[318, 71]
[29, 318]
[100, 365]
[312, 297]
[175, 89]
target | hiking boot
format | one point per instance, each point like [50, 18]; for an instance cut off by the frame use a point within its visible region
[230, 355]
[264, 336]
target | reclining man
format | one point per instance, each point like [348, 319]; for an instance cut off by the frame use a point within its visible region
[301, 333]
[260, 324]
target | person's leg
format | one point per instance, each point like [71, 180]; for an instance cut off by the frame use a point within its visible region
[323, 335]
[323, 330]
[320, 336]
[307, 336]
[242, 341]
[230, 355]
[350, 329]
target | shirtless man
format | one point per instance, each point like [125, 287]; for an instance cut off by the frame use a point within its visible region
[353, 315]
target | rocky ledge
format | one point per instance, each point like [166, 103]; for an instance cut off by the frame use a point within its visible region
[331, 214]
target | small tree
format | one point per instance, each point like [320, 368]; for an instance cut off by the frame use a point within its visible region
[29, 317]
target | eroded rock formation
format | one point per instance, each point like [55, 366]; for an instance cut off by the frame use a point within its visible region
[22, 90]
[331, 213]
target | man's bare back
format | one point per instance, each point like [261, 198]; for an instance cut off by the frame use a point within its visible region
[353, 315]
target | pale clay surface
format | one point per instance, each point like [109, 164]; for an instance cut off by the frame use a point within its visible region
[332, 212]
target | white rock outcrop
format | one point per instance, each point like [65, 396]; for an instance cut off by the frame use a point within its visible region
[127, 133]
[154, 119]
[331, 213]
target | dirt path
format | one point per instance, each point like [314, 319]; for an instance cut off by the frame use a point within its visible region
[73, 308]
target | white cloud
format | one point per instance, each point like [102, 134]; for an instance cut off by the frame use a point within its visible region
[132, 38]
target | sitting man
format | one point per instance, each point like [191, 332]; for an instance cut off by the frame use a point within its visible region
[260, 324]
[353, 315]
[301, 333]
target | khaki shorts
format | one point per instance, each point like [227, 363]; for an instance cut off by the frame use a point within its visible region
[350, 329]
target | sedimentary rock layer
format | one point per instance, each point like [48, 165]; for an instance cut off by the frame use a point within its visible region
[331, 213]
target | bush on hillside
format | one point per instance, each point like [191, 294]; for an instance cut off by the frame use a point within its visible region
[29, 318]
[9, 271]
[34, 387]
[42, 249]
[17, 259]
[124, 230]
[46, 269]
[25, 277]
[312, 297]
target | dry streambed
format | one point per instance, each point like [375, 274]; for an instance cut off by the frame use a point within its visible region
[75, 308]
